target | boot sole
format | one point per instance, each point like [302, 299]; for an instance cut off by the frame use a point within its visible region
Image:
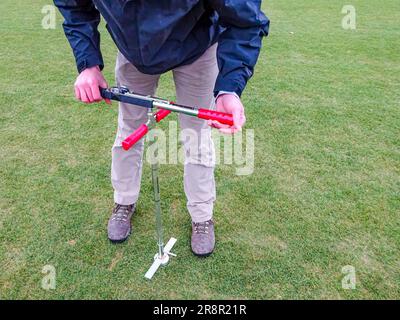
[202, 255]
[116, 241]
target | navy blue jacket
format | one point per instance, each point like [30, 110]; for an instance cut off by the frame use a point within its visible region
[159, 35]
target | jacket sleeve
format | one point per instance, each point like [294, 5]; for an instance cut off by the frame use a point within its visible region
[240, 44]
[80, 26]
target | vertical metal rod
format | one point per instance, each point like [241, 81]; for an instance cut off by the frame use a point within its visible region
[156, 190]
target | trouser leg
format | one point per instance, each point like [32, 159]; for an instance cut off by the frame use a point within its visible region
[126, 167]
[194, 86]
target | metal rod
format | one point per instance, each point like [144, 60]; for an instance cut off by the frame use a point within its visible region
[123, 94]
[177, 108]
[156, 190]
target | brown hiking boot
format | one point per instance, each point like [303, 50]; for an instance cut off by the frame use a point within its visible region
[203, 238]
[119, 225]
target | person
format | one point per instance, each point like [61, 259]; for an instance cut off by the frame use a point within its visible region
[211, 46]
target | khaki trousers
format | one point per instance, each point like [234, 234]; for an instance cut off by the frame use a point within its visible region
[194, 87]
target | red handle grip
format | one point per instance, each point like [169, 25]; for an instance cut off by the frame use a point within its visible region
[161, 114]
[221, 117]
[143, 130]
[135, 137]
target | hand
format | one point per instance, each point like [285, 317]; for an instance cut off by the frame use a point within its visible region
[229, 103]
[87, 85]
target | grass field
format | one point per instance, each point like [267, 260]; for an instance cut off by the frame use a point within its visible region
[325, 108]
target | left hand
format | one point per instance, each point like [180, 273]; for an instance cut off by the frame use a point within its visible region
[229, 103]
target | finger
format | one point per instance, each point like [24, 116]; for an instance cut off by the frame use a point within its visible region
[104, 85]
[89, 94]
[83, 95]
[243, 120]
[96, 93]
[210, 123]
[218, 125]
[230, 130]
[237, 118]
[213, 124]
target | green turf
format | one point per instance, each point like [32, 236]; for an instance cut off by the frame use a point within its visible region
[325, 193]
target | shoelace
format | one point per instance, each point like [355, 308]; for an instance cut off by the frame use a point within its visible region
[121, 212]
[201, 227]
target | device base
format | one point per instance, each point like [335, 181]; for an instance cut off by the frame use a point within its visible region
[161, 261]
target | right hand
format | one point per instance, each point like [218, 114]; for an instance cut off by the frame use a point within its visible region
[87, 85]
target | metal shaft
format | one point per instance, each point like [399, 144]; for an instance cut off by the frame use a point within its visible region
[176, 108]
[156, 191]
[124, 95]
[156, 188]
